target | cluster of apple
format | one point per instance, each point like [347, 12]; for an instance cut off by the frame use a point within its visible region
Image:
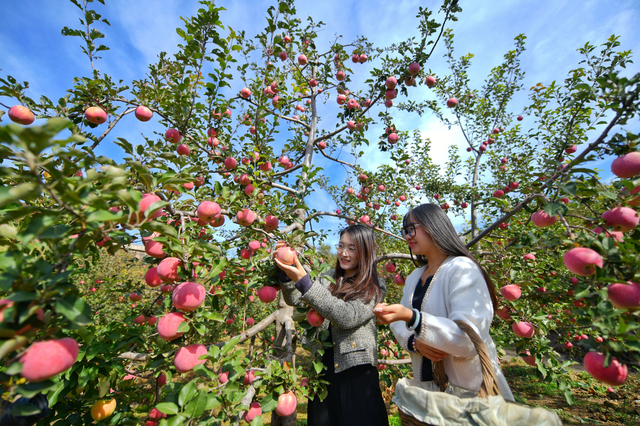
[583, 262]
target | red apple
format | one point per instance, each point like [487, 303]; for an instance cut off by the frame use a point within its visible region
[391, 82]
[302, 60]
[287, 403]
[511, 292]
[208, 211]
[22, 115]
[95, 115]
[168, 326]
[245, 93]
[390, 267]
[230, 163]
[314, 318]
[523, 329]
[340, 75]
[431, 81]
[153, 248]
[168, 269]
[626, 166]
[615, 374]
[183, 149]
[571, 149]
[529, 256]
[266, 166]
[528, 359]
[582, 261]
[216, 223]
[249, 376]
[504, 313]
[188, 296]
[135, 296]
[392, 138]
[624, 296]
[267, 294]
[414, 68]
[542, 219]
[245, 217]
[452, 102]
[187, 357]
[398, 280]
[283, 55]
[143, 113]
[286, 255]
[173, 135]
[622, 219]
[271, 223]
[254, 410]
[46, 359]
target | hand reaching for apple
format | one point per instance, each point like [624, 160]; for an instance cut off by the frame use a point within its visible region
[392, 313]
[295, 272]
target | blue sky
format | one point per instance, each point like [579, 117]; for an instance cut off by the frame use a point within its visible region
[32, 48]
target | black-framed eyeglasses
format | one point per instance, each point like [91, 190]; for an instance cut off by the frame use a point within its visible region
[340, 248]
[409, 230]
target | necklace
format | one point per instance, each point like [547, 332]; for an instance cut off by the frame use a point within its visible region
[431, 269]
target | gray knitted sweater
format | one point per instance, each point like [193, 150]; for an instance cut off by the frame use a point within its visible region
[353, 325]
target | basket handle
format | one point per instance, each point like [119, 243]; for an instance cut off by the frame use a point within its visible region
[489, 381]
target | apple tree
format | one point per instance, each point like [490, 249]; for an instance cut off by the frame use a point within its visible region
[209, 197]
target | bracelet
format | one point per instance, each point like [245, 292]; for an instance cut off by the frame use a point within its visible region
[412, 341]
[415, 323]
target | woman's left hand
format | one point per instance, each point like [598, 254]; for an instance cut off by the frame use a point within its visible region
[295, 272]
[392, 313]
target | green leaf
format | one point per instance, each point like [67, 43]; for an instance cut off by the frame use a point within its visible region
[167, 408]
[187, 393]
[38, 225]
[22, 296]
[104, 216]
[213, 316]
[32, 389]
[269, 403]
[229, 345]
[164, 229]
[53, 397]
[197, 406]
[27, 409]
[183, 327]
[318, 366]
[568, 395]
[22, 191]
[103, 386]
[570, 188]
[75, 309]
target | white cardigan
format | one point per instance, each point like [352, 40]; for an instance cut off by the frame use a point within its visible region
[458, 291]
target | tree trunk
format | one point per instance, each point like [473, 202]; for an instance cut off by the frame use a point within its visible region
[277, 420]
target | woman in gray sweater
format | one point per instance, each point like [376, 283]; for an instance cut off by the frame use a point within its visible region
[354, 396]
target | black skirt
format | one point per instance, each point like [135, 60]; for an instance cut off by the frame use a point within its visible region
[354, 397]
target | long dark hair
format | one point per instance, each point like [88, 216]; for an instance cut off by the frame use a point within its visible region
[365, 285]
[446, 239]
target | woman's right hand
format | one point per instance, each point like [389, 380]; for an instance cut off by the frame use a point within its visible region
[392, 313]
[430, 352]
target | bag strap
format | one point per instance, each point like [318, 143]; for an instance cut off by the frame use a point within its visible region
[489, 381]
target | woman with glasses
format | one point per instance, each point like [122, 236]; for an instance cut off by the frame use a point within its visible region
[449, 285]
[354, 396]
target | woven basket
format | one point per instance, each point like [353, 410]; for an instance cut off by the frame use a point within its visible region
[489, 382]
